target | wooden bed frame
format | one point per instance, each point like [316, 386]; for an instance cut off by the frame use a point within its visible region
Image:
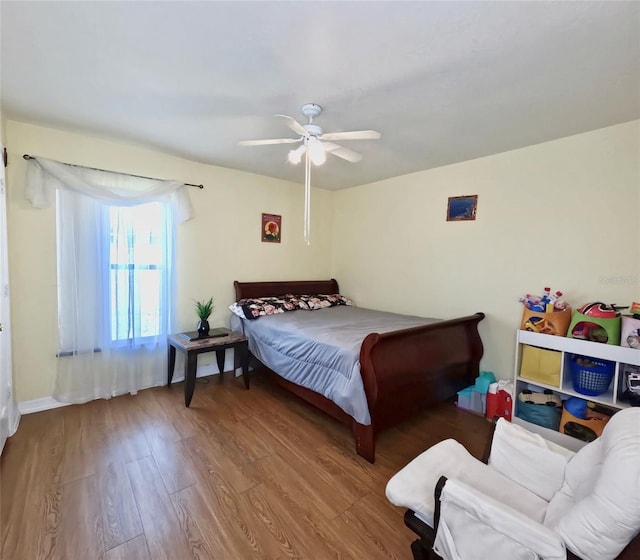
[402, 371]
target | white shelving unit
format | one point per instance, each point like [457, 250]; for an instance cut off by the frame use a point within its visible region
[568, 346]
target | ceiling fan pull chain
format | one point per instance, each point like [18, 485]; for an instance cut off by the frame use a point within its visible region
[307, 198]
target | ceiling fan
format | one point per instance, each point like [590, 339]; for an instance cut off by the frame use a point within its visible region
[314, 146]
[314, 140]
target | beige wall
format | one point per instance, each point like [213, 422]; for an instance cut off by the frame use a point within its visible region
[563, 213]
[220, 245]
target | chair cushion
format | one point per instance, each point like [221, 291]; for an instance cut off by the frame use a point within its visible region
[528, 459]
[413, 486]
[597, 510]
[476, 527]
[581, 474]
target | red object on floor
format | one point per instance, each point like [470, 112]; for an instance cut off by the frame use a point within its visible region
[499, 404]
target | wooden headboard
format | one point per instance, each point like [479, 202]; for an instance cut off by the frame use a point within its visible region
[296, 287]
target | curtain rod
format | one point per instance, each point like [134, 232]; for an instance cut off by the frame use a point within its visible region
[27, 157]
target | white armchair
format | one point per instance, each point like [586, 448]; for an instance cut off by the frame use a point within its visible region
[533, 500]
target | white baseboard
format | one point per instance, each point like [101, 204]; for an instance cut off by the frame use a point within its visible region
[48, 403]
[38, 405]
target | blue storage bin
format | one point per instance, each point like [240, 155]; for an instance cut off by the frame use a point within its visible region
[591, 376]
[542, 415]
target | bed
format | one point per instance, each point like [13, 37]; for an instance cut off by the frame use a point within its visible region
[400, 371]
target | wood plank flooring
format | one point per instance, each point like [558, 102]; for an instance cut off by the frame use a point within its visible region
[240, 474]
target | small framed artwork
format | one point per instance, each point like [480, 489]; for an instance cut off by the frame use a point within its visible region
[462, 208]
[271, 228]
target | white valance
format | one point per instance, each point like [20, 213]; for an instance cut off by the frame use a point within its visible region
[44, 176]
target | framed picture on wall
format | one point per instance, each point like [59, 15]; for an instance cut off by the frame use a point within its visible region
[271, 228]
[462, 208]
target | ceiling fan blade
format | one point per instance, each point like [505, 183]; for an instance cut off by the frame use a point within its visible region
[270, 141]
[342, 152]
[353, 135]
[293, 124]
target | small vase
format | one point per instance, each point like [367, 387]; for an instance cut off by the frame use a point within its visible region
[203, 328]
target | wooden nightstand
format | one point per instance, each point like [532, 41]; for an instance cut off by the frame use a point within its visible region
[192, 348]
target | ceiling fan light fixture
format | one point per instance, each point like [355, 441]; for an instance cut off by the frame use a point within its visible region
[316, 152]
[295, 156]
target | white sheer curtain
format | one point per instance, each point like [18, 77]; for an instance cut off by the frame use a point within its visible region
[116, 276]
[9, 413]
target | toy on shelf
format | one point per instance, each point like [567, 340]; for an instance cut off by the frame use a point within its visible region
[547, 314]
[630, 384]
[547, 397]
[597, 322]
[634, 309]
[546, 303]
[630, 335]
[543, 409]
[583, 419]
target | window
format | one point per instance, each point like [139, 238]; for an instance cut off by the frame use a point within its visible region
[114, 274]
[136, 271]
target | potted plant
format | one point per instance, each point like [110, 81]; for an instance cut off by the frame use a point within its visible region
[204, 310]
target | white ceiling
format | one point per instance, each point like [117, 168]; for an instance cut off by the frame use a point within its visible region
[443, 82]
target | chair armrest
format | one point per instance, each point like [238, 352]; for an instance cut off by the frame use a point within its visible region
[412, 486]
[473, 525]
[528, 459]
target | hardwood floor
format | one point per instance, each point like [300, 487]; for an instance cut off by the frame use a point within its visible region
[240, 474]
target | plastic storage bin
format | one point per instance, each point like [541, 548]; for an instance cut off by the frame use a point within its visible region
[545, 416]
[470, 399]
[542, 366]
[585, 429]
[591, 376]
[595, 329]
[556, 322]
[630, 336]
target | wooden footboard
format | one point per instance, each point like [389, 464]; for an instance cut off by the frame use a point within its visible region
[405, 370]
[402, 371]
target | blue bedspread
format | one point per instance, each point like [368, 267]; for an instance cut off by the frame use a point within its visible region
[320, 349]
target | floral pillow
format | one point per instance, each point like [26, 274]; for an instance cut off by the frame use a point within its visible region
[321, 301]
[254, 308]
